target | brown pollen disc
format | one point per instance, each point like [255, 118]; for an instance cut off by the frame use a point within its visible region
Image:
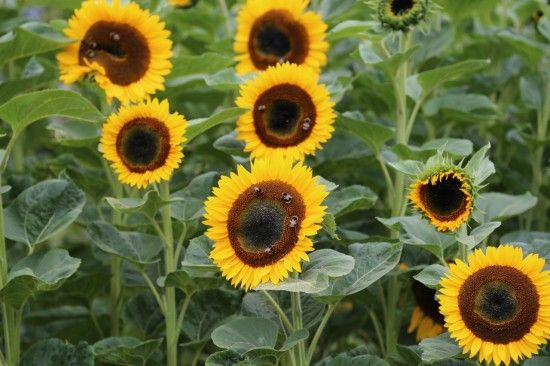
[276, 37]
[499, 304]
[425, 299]
[264, 222]
[284, 115]
[120, 48]
[444, 199]
[143, 144]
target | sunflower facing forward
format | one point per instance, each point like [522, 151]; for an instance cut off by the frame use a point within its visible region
[261, 220]
[444, 196]
[290, 114]
[275, 31]
[497, 305]
[123, 46]
[143, 142]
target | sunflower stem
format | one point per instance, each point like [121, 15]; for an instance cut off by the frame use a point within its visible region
[297, 319]
[116, 269]
[319, 331]
[279, 311]
[169, 266]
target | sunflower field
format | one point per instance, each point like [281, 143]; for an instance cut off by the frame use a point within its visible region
[274, 182]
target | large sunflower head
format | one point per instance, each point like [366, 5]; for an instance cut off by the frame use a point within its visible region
[275, 31]
[497, 305]
[290, 114]
[444, 195]
[143, 142]
[426, 319]
[261, 221]
[400, 15]
[127, 49]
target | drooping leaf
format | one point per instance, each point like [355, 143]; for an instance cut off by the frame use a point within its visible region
[197, 260]
[493, 206]
[438, 348]
[55, 352]
[41, 271]
[431, 275]
[246, 334]
[375, 135]
[189, 201]
[43, 210]
[350, 199]
[125, 350]
[201, 125]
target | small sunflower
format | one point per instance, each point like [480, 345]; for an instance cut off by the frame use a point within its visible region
[261, 221]
[143, 142]
[426, 319]
[400, 15]
[123, 46]
[183, 4]
[290, 113]
[275, 31]
[497, 305]
[444, 196]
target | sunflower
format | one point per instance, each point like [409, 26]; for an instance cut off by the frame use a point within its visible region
[275, 31]
[400, 15]
[261, 221]
[497, 305]
[290, 114]
[143, 142]
[444, 196]
[426, 318]
[183, 4]
[123, 46]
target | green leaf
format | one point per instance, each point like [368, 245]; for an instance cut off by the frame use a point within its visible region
[36, 74]
[329, 226]
[245, 334]
[375, 135]
[350, 28]
[197, 260]
[371, 55]
[372, 261]
[148, 204]
[438, 348]
[125, 350]
[189, 68]
[431, 275]
[349, 199]
[462, 107]
[42, 211]
[201, 125]
[138, 248]
[536, 242]
[41, 271]
[493, 206]
[224, 358]
[537, 361]
[189, 202]
[187, 284]
[25, 109]
[349, 360]
[29, 39]
[530, 50]
[310, 282]
[478, 234]
[226, 79]
[75, 133]
[55, 352]
[532, 91]
[294, 338]
[419, 86]
[229, 144]
[480, 166]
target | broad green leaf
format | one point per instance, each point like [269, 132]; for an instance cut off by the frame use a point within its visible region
[197, 260]
[138, 248]
[55, 352]
[537, 361]
[189, 202]
[58, 4]
[532, 91]
[201, 125]
[36, 74]
[329, 226]
[530, 50]
[495, 206]
[371, 55]
[438, 348]
[125, 350]
[372, 261]
[544, 27]
[245, 334]
[480, 166]
[375, 135]
[478, 234]
[187, 284]
[348, 360]
[458, 148]
[148, 204]
[462, 107]
[349, 199]
[310, 282]
[43, 210]
[534, 241]
[294, 338]
[39, 272]
[224, 358]
[350, 28]
[226, 79]
[75, 133]
[29, 39]
[229, 144]
[196, 67]
[419, 86]
[431, 275]
[25, 109]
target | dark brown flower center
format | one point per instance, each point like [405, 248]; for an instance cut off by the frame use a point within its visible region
[284, 115]
[499, 304]
[425, 299]
[444, 198]
[264, 222]
[143, 144]
[121, 49]
[399, 7]
[276, 37]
